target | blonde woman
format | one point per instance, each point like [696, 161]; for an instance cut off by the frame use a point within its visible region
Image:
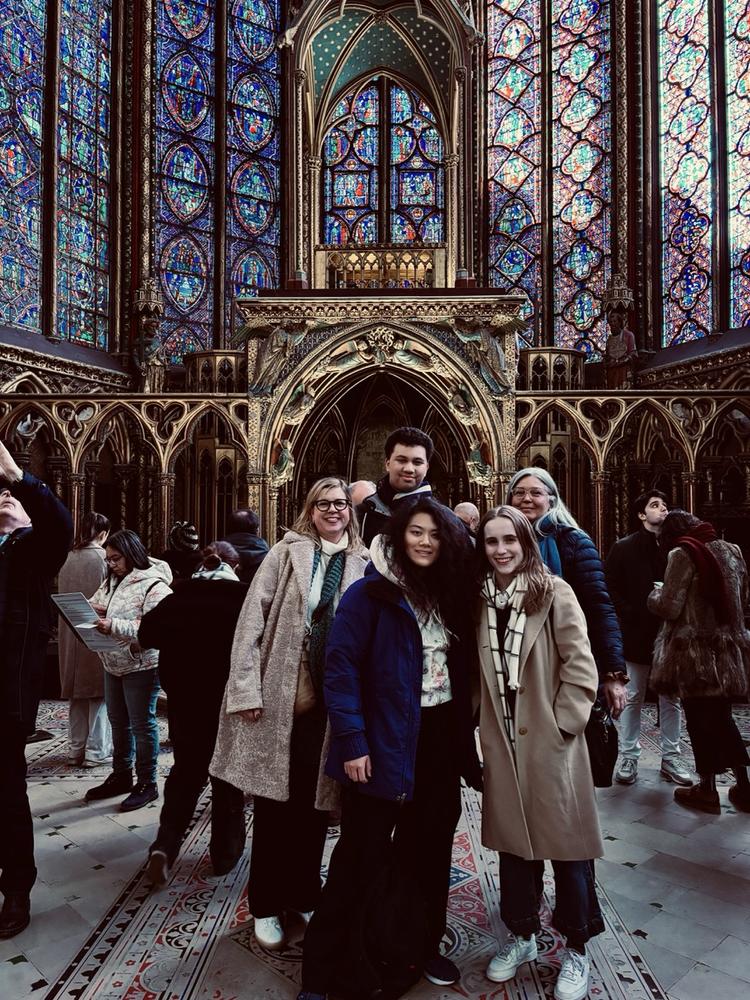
[271, 732]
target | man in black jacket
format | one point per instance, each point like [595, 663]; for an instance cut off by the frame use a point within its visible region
[243, 527]
[36, 532]
[407, 458]
[634, 564]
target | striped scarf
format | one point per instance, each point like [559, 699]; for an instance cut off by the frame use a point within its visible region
[515, 596]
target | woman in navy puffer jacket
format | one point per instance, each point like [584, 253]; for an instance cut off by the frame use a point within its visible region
[402, 736]
[568, 552]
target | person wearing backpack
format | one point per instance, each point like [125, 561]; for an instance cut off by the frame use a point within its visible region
[402, 737]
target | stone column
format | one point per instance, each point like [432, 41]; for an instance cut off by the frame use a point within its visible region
[300, 274]
[452, 220]
[122, 476]
[691, 481]
[56, 467]
[77, 487]
[164, 482]
[600, 481]
[314, 166]
[92, 471]
[460, 76]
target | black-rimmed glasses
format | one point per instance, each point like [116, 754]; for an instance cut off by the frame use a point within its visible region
[325, 505]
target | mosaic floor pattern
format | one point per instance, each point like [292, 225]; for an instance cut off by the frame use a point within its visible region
[194, 939]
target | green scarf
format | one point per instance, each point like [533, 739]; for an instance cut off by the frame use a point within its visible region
[322, 618]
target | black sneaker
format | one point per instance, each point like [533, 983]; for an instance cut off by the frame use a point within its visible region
[441, 971]
[143, 793]
[115, 784]
[15, 914]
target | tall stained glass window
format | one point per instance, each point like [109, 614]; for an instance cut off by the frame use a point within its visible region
[22, 32]
[737, 30]
[383, 139]
[196, 236]
[83, 172]
[564, 166]
[686, 175]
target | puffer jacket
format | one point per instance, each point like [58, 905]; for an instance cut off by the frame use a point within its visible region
[135, 595]
[582, 568]
[373, 688]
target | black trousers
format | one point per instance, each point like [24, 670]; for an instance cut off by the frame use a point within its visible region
[288, 837]
[193, 725]
[422, 832]
[16, 827]
[713, 733]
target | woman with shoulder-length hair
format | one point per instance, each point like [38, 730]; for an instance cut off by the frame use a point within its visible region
[567, 551]
[702, 651]
[273, 724]
[81, 673]
[402, 734]
[538, 683]
[134, 585]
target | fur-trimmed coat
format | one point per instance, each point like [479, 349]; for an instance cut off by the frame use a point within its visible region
[693, 655]
[266, 655]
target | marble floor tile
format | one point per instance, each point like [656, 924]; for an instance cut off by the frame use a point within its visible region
[681, 935]
[717, 913]
[667, 966]
[731, 956]
[703, 982]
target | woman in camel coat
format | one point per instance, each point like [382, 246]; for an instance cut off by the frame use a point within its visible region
[538, 683]
[81, 671]
[272, 727]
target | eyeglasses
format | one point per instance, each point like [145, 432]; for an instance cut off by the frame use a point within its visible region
[325, 505]
[518, 493]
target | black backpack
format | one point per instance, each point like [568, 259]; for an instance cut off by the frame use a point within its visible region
[386, 947]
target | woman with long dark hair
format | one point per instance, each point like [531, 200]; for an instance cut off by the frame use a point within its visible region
[134, 585]
[271, 730]
[399, 705]
[538, 683]
[81, 672]
[702, 652]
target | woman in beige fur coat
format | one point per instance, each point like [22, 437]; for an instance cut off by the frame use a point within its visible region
[538, 683]
[272, 728]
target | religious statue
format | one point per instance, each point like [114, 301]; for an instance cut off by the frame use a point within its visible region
[479, 469]
[302, 401]
[621, 350]
[276, 350]
[484, 348]
[460, 404]
[26, 431]
[283, 466]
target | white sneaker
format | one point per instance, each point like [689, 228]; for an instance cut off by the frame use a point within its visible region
[573, 981]
[269, 933]
[511, 956]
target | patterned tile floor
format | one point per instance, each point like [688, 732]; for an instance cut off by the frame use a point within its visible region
[675, 889]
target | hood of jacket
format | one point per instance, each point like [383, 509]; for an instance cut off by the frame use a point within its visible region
[379, 561]
[158, 570]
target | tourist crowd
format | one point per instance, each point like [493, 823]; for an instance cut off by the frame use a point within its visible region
[342, 674]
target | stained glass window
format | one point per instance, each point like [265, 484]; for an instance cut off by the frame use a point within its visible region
[738, 141]
[253, 223]
[83, 172]
[686, 179]
[356, 169]
[23, 25]
[185, 134]
[565, 167]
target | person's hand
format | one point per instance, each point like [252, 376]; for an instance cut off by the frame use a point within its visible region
[359, 769]
[104, 625]
[99, 608]
[9, 471]
[252, 714]
[616, 697]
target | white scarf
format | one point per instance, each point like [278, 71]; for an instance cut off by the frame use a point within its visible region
[515, 596]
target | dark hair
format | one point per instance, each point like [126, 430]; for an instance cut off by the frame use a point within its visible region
[446, 584]
[638, 506]
[676, 523]
[129, 545]
[243, 519]
[411, 436]
[219, 552]
[92, 524]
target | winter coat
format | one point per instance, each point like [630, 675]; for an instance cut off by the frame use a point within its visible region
[373, 687]
[543, 806]
[633, 564]
[582, 568]
[29, 560]
[266, 655]
[81, 671]
[251, 549]
[125, 605]
[375, 511]
[183, 563]
[193, 629]
[694, 656]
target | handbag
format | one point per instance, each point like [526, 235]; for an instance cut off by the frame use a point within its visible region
[601, 740]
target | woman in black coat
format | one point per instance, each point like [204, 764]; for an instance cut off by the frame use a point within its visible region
[194, 629]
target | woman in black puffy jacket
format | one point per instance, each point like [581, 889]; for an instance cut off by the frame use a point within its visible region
[569, 552]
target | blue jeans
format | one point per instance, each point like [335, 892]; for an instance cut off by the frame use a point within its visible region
[577, 915]
[131, 706]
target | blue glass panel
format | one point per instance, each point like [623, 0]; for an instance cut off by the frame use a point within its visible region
[417, 171]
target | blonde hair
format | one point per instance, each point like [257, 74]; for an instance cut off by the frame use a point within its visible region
[538, 576]
[304, 523]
